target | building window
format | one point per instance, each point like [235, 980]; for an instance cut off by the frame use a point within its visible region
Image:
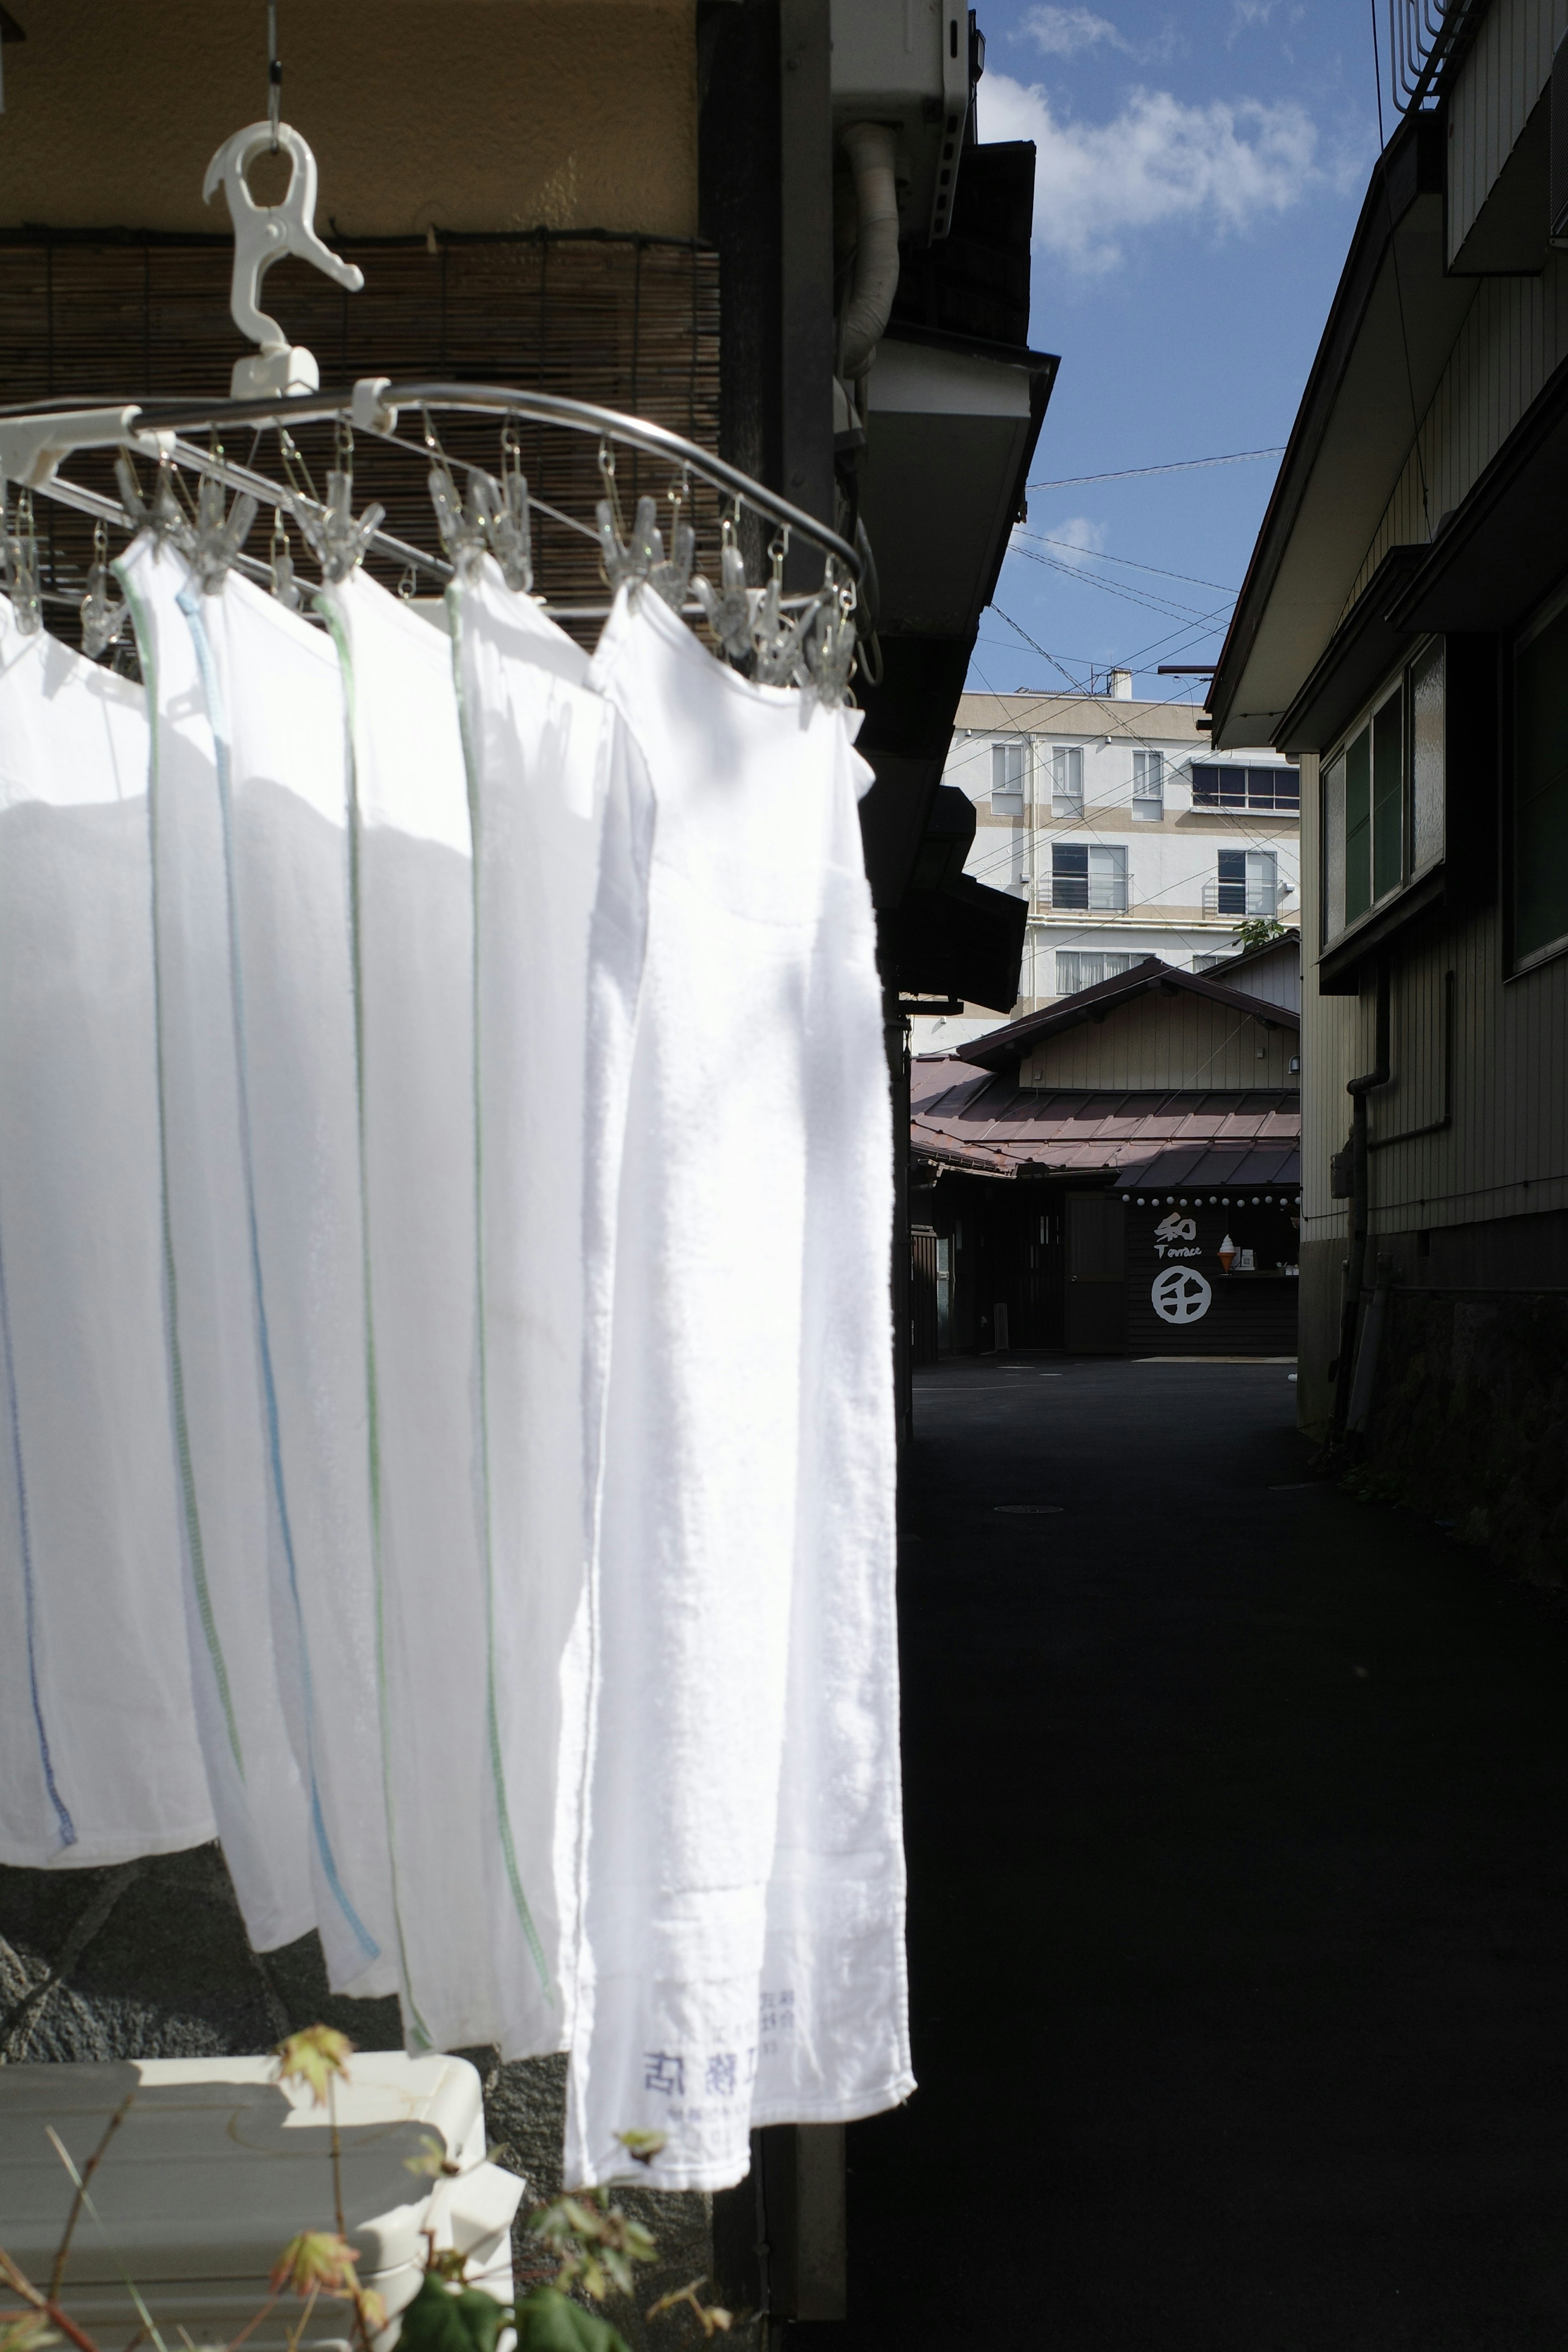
[1383, 793]
[1007, 769]
[1075, 972]
[1227, 787]
[1428, 733]
[1066, 780]
[1247, 883]
[1088, 875]
[1149, 785]
[1541, 788]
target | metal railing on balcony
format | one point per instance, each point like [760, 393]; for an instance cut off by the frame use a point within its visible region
[1421, 35]
[1076, 894]
[1243, 900]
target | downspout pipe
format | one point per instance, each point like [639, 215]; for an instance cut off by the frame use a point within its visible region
[1358, 1090]
[872, 150]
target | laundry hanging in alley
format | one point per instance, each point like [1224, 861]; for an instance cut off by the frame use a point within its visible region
[496, 1303]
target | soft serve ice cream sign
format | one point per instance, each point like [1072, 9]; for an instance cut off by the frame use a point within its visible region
[1180, 1294]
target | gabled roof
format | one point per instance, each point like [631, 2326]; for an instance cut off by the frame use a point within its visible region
[1000, 1047]
[1246, 957]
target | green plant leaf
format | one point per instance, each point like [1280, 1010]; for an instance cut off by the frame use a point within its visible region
[482, 2317]
[548, 2322]
[439, 2320]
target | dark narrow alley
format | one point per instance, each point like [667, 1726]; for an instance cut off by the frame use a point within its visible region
[1239, 1895]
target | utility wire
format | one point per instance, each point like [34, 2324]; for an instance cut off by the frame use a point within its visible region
[1136, 473]
[1150, 599]
[1100, 555]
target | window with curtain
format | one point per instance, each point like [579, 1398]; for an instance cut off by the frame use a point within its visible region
[1076, 971]
[1247, 883]
[1008, 768]
[1090, 876]
[1384, 795]
[1066, 780]
[1149, 785]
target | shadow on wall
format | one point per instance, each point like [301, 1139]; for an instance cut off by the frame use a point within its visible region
[1470, 1423]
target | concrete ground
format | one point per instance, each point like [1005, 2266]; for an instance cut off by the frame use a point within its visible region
[1238, 1824]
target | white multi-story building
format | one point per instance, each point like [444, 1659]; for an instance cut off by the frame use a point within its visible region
[1126, 833]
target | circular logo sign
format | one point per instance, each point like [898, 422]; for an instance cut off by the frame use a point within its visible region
[1180, 1296]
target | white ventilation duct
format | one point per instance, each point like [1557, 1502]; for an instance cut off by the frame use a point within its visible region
[872, 149]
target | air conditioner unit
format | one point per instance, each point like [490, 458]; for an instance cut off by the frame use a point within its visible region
[907, 63]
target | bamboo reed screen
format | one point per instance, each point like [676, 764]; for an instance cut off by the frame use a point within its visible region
[629, 323]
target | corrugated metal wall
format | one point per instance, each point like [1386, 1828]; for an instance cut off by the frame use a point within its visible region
[1506, 1153]
[1504, 74]
[1515, 335]
[1276, 977]
[1167, 1041]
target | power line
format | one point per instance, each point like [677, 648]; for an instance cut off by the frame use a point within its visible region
[1135, 472]
[1150, 599]
[1100, 556]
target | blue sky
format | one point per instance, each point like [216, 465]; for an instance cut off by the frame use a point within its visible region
[1199, 174]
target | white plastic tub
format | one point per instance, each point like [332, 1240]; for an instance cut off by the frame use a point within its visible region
[216, 2167]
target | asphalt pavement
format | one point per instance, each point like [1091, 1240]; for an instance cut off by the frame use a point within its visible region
[1237, 1831]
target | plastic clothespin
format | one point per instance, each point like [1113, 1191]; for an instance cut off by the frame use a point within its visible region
[641, 558]
[774, 638]
[20, 546]
[101, 618]
[461, 521]
[504, 505]
[828, 641]
[288, 590]
[263, 234]
[220, 531]
[336, 539]
[728, 607]
[161, 514]
[670, 577]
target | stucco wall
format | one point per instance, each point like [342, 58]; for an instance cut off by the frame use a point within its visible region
[460, 114]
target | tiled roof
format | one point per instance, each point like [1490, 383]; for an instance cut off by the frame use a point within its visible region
[971, 1118]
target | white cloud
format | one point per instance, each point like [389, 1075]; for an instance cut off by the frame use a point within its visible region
[1063, 32]
[1217, 168]
[1072, 540]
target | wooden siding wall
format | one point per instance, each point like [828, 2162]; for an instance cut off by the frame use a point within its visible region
[1506, 71]
[1180, 1041]
[1275, 979]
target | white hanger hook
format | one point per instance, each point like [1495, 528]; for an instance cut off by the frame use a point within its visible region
[263, 234]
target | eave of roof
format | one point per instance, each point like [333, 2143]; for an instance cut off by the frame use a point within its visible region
[1387, 337]
[1246, 957]
[1001, 1047]
[988, 1126]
